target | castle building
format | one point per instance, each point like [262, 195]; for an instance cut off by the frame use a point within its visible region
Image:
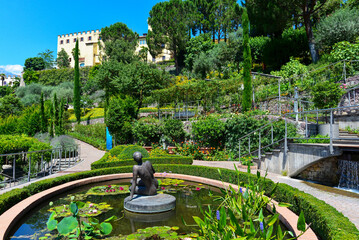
[90, 52]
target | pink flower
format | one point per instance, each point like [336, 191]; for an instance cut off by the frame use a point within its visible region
[106, 190]
[163, 188]
[109, 186]
[121, 188]
[90, 205]
[198, 188]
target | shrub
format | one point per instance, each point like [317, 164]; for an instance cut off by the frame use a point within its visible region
[345, 51]
[325, 220]
[342, 25]
[173, 129]
[209, 132]
[326, 95]
[96, 131]
[97, 143]
[54, 77]
[64, 142]
[147, 133]
[129, 150]
[116, 151]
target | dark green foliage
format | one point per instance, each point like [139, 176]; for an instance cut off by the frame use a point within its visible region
[116, 151]
[77, 90]
[10, 105]
[343, 25]
[247, 65]
[173, 33]
[31, 76]
[168, 159]
[325, 220]
[173, 129]
[147, 133]
[48, 57]
[63, 59]
[120, 114]
[209, 132]
[195, 46]
[127, 153]
[94, 134]
[5, 90]
[19, 143]
[345, 51]
[54, 77]
[35, 64]
[120, 42]
[43, 119]
[258, 45]
[327, 95]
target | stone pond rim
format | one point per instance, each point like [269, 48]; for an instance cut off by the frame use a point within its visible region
[150, 204]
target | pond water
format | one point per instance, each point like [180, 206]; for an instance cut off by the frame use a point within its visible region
[190, 198]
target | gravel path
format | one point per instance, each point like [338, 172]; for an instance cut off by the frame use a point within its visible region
[345, 202]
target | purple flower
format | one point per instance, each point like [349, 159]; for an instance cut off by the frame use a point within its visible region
[218, 215]
[261, 226]
[240, 190]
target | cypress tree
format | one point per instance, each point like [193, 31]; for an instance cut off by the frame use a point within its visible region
[77, 97]
[61, 117]
[55, 114]
[51, 130]
[247, 64]
[42, 112]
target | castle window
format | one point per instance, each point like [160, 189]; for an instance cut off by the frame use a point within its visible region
[163, 58]
[90, 38]
[69, 59]
[74, 39]
[68, 41]
[153, 59]
[82, 39]
[82, 64]
[162, 45]
[142, 42]
[62, 42]
[100, 38]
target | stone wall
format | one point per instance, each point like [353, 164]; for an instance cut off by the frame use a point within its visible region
[325, 171]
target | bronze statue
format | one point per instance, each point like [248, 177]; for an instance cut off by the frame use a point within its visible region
[146, 184]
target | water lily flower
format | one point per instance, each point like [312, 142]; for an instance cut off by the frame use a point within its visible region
[163, 188]
[109, 186]
[198, 188]
[94, 211]
[90, 205]
[121, 188]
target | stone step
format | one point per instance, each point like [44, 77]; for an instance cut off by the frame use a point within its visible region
[276, 150]
[348, 142]
[268, 153]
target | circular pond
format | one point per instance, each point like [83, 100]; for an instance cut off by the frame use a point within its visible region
[104, 200]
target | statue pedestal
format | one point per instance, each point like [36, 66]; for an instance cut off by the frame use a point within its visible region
[150, 204]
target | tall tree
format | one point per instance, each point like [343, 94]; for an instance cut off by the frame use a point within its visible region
[42, 112]
[77, 96]
[48, 57]
[63, 59]
[247, 64]
[119, 42]
[35, 64]
[169, 21]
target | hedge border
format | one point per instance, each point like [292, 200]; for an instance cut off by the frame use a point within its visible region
[154, 160]
[326, 221]
[92, 141]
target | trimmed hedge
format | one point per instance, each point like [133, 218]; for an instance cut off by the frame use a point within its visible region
[102, 163]
[116, 151]
[326, 221]
[128, 152]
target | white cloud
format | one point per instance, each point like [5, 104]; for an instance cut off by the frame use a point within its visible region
[15, 69]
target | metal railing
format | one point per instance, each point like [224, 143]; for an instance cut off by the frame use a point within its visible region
[253, 143]
[24, 167]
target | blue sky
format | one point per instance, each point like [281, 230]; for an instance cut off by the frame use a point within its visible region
[28, 27]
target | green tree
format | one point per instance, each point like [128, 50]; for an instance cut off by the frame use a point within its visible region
[119, 42]
[174, 34]
[31, 76]
[327, 94]
[63, 59]
[343, 25]
[247, 65]
[35, 64]
[106, 78]
[143, 53]
[120, 114]
[77, 91]
[139, 79]
[10, 105]
[195, 46]
[42, 113]
[48, 57]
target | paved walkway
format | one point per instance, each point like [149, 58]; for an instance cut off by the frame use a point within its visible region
[88, 153]
[348, 205]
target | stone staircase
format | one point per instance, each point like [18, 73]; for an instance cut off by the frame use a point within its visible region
[64, 164]
[347, 138]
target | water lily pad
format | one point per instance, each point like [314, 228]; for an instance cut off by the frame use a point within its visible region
[88, 210]
[109, 190]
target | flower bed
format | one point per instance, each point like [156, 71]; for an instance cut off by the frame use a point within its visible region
[326, 221]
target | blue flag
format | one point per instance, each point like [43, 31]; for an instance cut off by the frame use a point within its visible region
[108, 140]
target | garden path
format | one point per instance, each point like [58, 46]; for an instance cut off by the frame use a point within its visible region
[345, 202]
[88, 153]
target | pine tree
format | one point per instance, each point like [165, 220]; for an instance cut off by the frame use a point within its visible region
[247, 62]
[42, 112]
[77, 97]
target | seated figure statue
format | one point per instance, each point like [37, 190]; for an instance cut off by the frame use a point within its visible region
[143, 181]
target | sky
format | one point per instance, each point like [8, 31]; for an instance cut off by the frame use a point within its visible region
[28, 27]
